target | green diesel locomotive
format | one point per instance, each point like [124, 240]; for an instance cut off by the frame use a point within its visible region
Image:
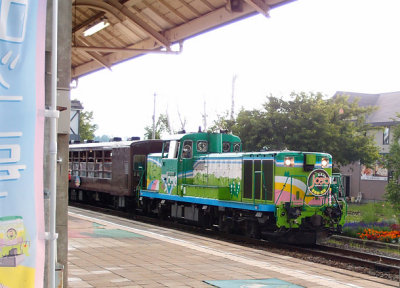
[205, 178]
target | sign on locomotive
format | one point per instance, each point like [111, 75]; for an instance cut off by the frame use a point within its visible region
[206, 179]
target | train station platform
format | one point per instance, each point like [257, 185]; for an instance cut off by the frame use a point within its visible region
[107, 251]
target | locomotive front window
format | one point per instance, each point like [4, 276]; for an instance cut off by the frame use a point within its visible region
[173, 149]
[202, 146]
[226, 147]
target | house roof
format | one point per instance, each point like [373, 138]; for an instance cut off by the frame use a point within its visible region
[388, 106]
[76, 105]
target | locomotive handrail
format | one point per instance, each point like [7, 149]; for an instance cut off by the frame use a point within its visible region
[263, 186]
[139, 186]
[198, 185]
[253, 188]
[283, 188]
[305, 194]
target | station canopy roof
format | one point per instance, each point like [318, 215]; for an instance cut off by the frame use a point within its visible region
[136, 27]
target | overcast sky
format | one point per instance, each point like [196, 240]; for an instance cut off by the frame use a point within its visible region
[307, 45]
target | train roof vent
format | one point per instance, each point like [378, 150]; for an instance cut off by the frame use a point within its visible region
[116, 139]
[133, 138]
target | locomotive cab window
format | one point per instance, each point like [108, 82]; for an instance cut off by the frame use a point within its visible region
[173, 149]
[187, 149]
[237, 147]
[165, 150]
[226, 147]
[202, 146]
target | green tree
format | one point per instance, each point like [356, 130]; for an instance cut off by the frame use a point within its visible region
[223, 122]
[393, 165]
[308, 122]
[162, 126]
[86, 128]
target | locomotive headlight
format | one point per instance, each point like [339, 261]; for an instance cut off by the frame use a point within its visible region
[289, 162]
[324, 162]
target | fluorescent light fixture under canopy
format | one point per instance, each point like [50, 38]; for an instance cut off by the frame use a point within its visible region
[96, 28]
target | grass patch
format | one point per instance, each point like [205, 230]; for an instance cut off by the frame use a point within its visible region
[372, 212]
[375, 216]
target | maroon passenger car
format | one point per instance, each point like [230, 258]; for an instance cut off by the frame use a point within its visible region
[109, 173]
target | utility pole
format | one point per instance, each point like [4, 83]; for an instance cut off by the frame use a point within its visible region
[204, 116]
[154, 118]
[233, 96]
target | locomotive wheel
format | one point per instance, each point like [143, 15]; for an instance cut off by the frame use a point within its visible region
[252, 229]
[163, 211]
[225, 224]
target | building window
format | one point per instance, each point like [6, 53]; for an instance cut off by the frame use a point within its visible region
[386, 136]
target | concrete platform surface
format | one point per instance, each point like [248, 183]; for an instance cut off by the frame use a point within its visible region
[107, 251]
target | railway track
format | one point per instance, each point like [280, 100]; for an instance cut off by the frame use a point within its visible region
[361, 261]
[364, 259]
